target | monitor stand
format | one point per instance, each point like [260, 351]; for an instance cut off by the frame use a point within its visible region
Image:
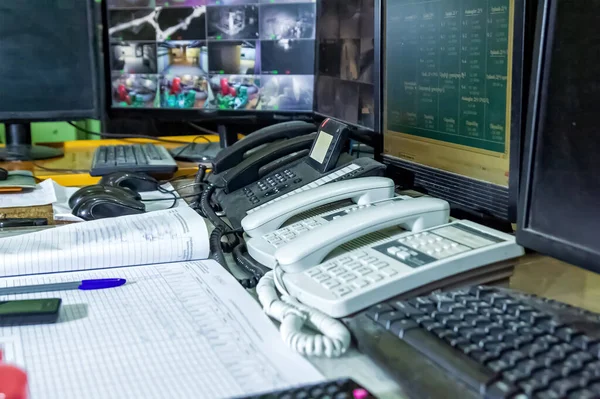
[19, 148]
[200, 152]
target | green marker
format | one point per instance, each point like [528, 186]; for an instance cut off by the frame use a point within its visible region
[221, 72]
[275, 72]
[275, 107]
[219, 37]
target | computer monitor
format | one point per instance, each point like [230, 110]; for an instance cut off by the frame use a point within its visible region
[48, 69]
[210, 59]
[195, 58]
[347, 72]
[558, 205]
[452, 98]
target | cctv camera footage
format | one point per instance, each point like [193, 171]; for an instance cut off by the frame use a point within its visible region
[229, 23]
[287, 57]
[137, 91]
[133, 57]
[235, 57]
[232, 55]
[181, 23]
[288, 21]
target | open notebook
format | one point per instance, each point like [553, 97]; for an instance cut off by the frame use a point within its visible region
[179, 328]
[171, 235]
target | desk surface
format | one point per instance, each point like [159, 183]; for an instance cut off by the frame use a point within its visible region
[533, 273]
[80, 153]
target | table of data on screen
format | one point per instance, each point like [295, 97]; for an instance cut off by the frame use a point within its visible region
[447, 70]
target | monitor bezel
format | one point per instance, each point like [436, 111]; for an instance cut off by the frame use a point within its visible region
[377, 79]
[517, 102]
[187, 114]
[537, 240]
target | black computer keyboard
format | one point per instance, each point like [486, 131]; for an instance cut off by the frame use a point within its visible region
[484, 342]
[338, 389]
[143, 158]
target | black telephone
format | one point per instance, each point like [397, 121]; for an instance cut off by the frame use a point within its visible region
[249, 169]
[242, 188]
[229, 157]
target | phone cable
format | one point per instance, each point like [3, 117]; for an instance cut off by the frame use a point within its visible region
[217, 253]
[243, 260]
[329, 338]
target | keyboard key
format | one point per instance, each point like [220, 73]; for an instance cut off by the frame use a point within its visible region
[386, 319]
[374, 311]
[399, 327]
[583, 342]
[583, 394]
[567, 333]
[499, 365]
[565, 386]
[500, 389]
[406, 308]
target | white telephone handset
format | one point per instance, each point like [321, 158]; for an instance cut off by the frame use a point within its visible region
[361, 191]
[311, 248]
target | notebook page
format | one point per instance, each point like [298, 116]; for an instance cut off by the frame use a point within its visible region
[184, 330]
[170, 235]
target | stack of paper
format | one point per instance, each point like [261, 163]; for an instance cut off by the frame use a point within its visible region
[184, 330]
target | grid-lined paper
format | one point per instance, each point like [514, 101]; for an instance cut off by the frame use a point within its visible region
[172, 235]
[184, 330]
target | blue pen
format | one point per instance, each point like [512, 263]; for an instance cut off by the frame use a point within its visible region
[85, 285]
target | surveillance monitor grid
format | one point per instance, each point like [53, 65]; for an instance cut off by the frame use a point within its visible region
[252, 55]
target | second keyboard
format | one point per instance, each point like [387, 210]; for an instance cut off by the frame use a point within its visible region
[137, 158]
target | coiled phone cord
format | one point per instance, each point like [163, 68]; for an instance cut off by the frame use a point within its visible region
[334, 337]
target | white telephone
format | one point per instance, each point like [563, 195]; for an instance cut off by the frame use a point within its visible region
[378, 271]
[361, 191]
[311, 248]
[262, 248]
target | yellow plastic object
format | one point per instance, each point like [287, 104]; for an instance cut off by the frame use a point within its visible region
[72, 169]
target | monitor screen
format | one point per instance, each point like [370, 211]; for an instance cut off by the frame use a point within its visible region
[244, 55]
[345, 87]
[447, 93]
[48, 64]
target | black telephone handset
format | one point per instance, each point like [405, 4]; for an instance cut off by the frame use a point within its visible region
[248, 170]
[229, 157]
[324, 163]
